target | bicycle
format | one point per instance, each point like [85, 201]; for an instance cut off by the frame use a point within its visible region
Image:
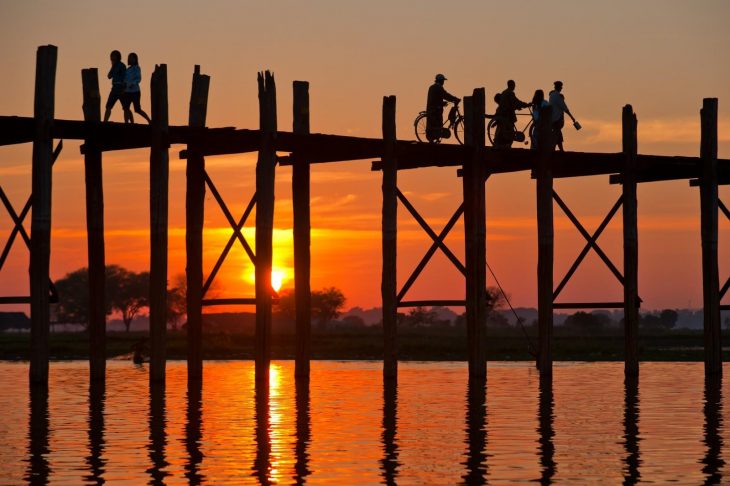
[454, 122]
[519, 135]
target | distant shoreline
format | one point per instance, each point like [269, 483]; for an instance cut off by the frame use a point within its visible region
[421, 345]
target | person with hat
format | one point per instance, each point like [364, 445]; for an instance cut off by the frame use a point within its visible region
[437, 98]
[559, 108]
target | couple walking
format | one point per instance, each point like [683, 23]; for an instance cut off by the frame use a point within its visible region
[509, 103]
[125, 86]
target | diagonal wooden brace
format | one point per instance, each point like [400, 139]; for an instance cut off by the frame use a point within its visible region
[431, 251]
[589, 239]
[588, 247]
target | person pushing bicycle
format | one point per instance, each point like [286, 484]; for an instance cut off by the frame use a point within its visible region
[437, 98]
[506, 117]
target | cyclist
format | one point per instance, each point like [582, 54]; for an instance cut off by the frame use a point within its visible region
[437, 98]
[506, 118]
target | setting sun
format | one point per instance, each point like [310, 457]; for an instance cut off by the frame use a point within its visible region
[277, 278]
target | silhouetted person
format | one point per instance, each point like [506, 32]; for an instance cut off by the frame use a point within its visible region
[538, 103]
[116, 74]
[557, 102]
[437, 98]
[132, 94]
[506, 117]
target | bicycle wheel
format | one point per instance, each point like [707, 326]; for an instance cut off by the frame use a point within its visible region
[420, 127]
[492, 130]
[459, 130]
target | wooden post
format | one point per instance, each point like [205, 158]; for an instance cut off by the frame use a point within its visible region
[40, 229]
[631, 245]
[94, 229]
[709, 228]
[265, 172]
[194, 217]
[545, 242]
[302, 241]
[159, 174]
[389, 229]
[473, 179]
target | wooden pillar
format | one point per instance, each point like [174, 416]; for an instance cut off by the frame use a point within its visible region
[159, 174]
[40, 229]
[545, 242]
[194, 216]
[302, 238]
[631, 244]
[388, 288]
[473, 179]
[709, 228]
[265, 172]
[94, 229]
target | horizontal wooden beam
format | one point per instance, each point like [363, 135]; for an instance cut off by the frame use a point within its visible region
[15, 300]
[432, 303]
[322, 148]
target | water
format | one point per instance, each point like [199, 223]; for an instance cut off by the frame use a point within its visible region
[345, 428]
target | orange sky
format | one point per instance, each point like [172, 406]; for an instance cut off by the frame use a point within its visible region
[661, 56]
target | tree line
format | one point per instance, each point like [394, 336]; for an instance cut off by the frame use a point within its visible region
[126, 292]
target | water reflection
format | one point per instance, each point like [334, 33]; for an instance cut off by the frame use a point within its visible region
[476, 432]
[262, 435]
[38, 429]
[713, 461]
[193, 434]
[389, 462]
[303, 432]
[631, 430]
[158, 436]
[546, 431]
[95, 460]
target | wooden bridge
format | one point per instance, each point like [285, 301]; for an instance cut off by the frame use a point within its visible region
[475, 164]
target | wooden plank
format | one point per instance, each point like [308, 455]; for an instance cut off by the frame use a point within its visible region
[265, 173]
[545, 242]
[159, 175]
[388, 286]
[631, 243]
[474, 178]
[709, 230]
[302, 237]
[40, 230]
[194, 219]
[95, 230]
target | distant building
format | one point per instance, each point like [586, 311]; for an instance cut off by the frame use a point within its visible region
[14, 321]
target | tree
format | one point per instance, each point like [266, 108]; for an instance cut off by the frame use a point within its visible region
[177, 305]
[130, 293]
[286, 304]
[73, 298]
[327, 305]
[584, 322]
[73, 295]
[668, 318]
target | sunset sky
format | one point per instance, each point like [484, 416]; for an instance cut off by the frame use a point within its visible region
[661, 56]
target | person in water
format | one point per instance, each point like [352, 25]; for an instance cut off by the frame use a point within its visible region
[132, 93]
[116, 74]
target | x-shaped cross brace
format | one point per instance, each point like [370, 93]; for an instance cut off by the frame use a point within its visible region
[726, 212]
[18, 220]
[438, 242]
[237, 235]
[591, 242]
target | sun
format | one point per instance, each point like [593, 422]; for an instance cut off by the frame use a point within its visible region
[277, 279]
